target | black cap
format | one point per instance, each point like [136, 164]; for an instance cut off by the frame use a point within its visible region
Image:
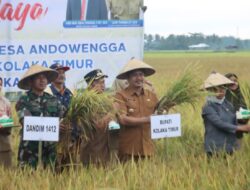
[57, 66]
[94, 75]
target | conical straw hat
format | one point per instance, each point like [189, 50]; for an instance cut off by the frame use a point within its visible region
[134, 64]
[216, 79]
[34, 70]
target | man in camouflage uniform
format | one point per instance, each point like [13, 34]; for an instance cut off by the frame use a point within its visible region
[36, 102]
[126, 10]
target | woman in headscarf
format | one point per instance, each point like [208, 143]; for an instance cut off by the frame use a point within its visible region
[235, 97]
[234, 94]
[5, 145]
[219, 117]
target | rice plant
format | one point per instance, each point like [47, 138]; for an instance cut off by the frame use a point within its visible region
[86, 108]
[184, 90]
[179, 163]
[245, 90]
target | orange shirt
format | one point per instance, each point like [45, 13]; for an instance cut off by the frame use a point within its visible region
[136, 140]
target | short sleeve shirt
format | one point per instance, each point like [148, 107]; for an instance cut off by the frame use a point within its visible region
[136, 139]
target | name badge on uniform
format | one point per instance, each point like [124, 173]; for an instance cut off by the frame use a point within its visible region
[131, 110]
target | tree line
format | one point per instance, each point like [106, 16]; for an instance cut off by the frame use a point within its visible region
[182, 42]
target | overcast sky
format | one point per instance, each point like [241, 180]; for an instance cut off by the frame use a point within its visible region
[221, 17]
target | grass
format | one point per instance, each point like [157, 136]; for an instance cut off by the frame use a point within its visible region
[179, 163]
[245, 90]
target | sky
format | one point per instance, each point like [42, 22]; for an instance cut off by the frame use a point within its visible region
[220, 17]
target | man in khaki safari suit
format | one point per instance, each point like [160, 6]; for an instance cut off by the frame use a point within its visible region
[136, 104]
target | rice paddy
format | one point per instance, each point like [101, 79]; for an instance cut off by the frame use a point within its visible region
[179, 163]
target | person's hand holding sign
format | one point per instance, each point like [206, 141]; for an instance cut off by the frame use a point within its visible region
[62, 128]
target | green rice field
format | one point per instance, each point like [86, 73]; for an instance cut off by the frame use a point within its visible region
[179, 163]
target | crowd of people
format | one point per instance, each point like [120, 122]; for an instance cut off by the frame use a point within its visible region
[134, 103]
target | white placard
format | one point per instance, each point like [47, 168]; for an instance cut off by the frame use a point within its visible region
[41, 128]
[164, 126]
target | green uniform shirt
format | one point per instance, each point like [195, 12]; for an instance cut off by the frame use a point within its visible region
[32, 105]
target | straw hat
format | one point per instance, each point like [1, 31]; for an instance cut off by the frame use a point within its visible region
[34, 70]
[135, 64]
[216, 79]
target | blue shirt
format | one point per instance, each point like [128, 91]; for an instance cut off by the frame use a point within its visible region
[63, 98]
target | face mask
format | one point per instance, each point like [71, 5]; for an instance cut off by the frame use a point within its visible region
[215, 100]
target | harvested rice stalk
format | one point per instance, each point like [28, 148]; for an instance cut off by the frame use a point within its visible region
[86, 108]
[245, 90]
[185, 90]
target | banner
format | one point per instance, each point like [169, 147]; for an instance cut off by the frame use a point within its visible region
[47, 32]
